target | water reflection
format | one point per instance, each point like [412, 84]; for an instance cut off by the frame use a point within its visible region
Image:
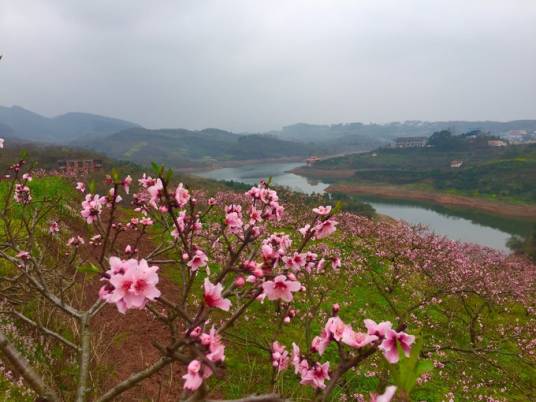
[458, 224]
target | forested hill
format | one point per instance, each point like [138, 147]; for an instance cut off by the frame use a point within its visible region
[380, 134]
[180, 147]
[194, 148]
[503, 173]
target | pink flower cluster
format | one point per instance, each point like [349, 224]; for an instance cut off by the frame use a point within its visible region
[336, 330]
[315, 374]
[22, 194]
[92, 207]
[214, 350]
[131, 283]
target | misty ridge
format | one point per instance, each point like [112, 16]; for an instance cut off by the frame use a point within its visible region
[179, 148]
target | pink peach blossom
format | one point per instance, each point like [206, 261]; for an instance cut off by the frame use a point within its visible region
[215, 345]
[389, 346]
[22, 194]
[304, 230]
[213, 296]
[280, 288]
[199, 260]
[295, 262]
[320, 343]
[233, 221]
[377, 329]
[54, 227]
[92, 207]
[193, 377]
[322, 211]
[295, 358]
[127, 181]
[182, 195]
[357, 339]
[75, 241]
[24, 255]
[316, 376]
[386, 396]
[81, 187]
[325, 228]
[335, 327]
[280, 358]
[155, 191]
[133, 287]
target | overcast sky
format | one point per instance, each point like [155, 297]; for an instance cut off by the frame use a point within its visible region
[255, 65]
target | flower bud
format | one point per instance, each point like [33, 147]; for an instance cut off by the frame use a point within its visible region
[335, 309]
[240, 282]
[195, 332]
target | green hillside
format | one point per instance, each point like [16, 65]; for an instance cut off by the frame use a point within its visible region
[181, 148]
[507, 173]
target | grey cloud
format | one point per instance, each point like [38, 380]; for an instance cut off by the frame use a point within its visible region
[258, 65]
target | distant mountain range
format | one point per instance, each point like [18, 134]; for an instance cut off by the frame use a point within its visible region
[126, 140]
[23, 124]
[356, 134]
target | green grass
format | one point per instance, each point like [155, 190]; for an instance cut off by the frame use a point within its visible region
[249, 367]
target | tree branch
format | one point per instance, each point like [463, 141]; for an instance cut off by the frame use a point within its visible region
[134, 379]
[46, 330]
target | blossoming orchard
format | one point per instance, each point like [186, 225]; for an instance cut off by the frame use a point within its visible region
[243, 296]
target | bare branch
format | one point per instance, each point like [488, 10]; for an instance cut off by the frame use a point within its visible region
[134, 379]
[46, 330]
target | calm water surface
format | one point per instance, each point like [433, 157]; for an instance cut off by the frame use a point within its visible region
[467, 226]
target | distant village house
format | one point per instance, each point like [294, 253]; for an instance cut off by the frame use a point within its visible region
[497, 143]
[411, 142]
[79, 166]
[312, 159]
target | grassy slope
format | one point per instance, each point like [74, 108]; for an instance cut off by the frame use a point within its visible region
[250, 369]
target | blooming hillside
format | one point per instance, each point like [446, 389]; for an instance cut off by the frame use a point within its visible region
[152, 290]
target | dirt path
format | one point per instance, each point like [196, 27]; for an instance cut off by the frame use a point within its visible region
[496, 208]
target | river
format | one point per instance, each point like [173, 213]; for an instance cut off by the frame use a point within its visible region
[468, 226]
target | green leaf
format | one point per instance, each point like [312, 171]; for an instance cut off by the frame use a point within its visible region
[338, 207]
[92, 186]
[157, 169]
[410, 368]
[115, 176]
[88, 268]
[169, 175]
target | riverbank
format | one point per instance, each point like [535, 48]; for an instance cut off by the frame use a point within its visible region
[397, 192]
